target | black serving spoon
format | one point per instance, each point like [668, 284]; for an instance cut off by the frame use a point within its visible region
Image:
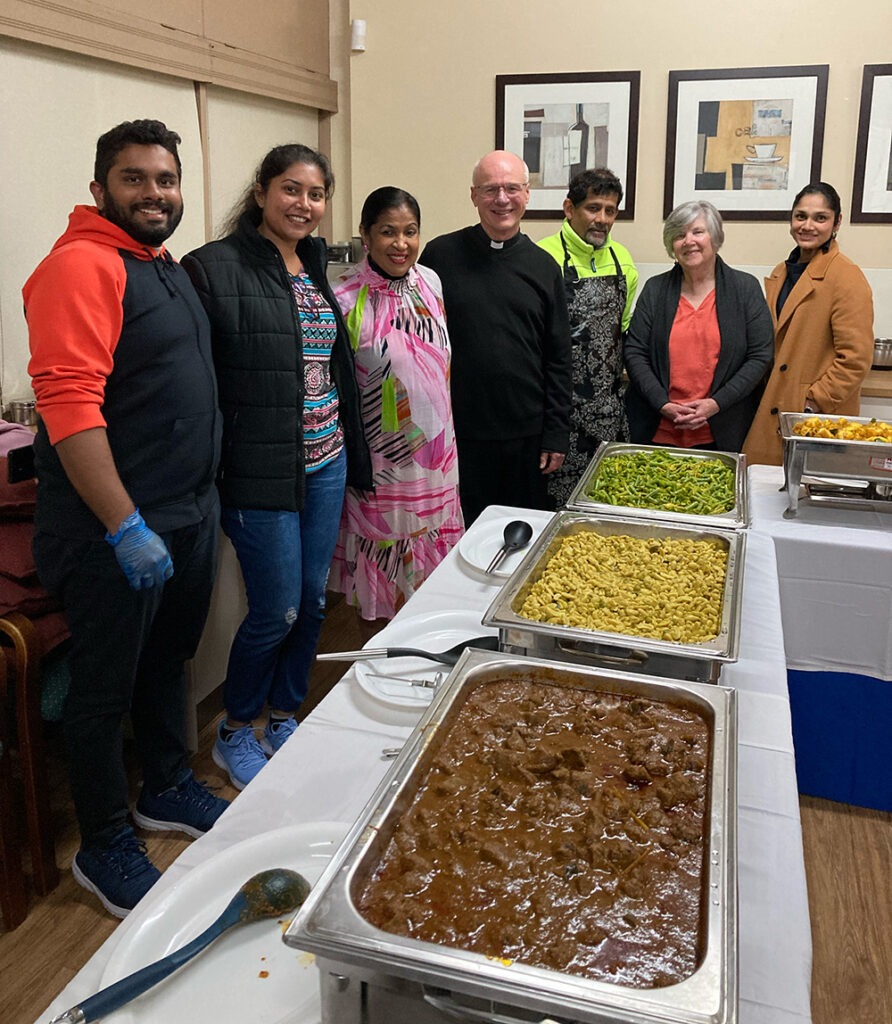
[450, 657]
[267, 894]
[516, 536]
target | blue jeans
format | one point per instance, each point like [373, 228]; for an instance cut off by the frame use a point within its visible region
[285, 558]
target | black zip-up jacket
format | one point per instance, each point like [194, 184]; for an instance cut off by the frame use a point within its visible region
[258, 354]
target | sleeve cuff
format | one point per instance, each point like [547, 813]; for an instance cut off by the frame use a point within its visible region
[62, 421]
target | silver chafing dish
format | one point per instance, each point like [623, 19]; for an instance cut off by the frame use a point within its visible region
[737, 517]
[369, 976]
[700, 661]
[835, 472]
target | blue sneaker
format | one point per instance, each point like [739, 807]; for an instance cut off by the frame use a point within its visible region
[188, 807]
[119, 874]
[239, 754]
[276, 732]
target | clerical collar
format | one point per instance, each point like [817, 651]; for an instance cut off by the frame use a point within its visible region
[493, 244]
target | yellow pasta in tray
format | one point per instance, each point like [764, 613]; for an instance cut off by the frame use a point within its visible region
[669, 589]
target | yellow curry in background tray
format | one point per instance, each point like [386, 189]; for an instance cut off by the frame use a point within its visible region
[843, 429]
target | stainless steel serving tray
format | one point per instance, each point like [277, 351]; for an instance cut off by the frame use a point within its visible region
[698, 661]
[829, 460]
[371, 976]
[736, 517]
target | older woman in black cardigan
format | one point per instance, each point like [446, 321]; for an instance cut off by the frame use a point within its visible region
[700, 342]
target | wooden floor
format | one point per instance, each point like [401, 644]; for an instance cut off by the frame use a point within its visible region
[848, 859]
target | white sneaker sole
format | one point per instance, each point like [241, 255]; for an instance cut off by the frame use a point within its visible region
[156, 825]
[82, 880]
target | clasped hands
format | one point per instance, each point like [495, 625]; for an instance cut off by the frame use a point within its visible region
[690, 415]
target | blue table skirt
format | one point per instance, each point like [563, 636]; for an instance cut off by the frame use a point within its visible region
[842, 731]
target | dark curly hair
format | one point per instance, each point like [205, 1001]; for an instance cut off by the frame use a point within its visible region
[133, 133]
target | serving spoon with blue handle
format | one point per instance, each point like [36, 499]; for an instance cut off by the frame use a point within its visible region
[267, 894]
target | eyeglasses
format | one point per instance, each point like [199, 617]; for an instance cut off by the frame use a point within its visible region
[512, 190]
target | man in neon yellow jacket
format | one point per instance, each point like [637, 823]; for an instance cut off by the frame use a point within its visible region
[600, 280]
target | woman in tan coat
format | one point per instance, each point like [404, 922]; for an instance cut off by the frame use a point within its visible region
[822, 309]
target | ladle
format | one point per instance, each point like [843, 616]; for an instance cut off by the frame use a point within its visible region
[516, 536]
[267, 894]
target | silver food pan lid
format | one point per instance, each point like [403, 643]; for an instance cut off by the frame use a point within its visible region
[503, 612]
[737, 517]
[330, 925]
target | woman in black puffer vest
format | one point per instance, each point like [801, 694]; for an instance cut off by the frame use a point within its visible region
[292, 436]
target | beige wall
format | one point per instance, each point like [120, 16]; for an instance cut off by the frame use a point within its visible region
[423, 94]
[279, 48]
[416, 110]
[56, 105]
[241, 130]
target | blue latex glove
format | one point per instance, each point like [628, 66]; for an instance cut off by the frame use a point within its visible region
[142, 554]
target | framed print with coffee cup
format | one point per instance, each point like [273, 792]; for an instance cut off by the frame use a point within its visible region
[744, 139]
[872, 190]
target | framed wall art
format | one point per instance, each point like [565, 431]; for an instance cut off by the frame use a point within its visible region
[744, 139]
[565, 123]
[872, 189]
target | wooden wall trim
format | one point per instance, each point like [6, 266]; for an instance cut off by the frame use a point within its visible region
[201, 104]
[98, 32]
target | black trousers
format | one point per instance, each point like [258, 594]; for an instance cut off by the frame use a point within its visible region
[128, 652]
[501, 473]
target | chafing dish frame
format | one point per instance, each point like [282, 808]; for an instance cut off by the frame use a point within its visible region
[737, 517]
[362, 967]
[855, 470]
[700, 662]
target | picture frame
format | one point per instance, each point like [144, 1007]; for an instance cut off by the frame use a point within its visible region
[563, 123]
[744, 139]
[872, 184]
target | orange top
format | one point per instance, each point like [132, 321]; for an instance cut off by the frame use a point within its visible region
[694, 344]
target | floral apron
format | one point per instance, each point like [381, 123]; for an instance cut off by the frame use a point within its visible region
[597, 411]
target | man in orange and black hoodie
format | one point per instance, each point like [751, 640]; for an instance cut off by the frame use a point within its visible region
[127, 512]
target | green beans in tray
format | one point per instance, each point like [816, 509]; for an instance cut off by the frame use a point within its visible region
[671, 483]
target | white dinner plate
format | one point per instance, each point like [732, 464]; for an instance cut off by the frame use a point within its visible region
[478, 547]
[435, 632]
[248, 974]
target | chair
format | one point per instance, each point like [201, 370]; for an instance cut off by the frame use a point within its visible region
[13, 900]
[30, 626]
[27, 651]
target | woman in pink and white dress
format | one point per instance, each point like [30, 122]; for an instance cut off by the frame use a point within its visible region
[392, 537]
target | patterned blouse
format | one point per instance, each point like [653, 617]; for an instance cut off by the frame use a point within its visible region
[323, 437]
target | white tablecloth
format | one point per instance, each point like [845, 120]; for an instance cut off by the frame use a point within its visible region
[333, 764]
[835, 575]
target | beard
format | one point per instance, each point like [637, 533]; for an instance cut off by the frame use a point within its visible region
[145, 234]
[593, 239]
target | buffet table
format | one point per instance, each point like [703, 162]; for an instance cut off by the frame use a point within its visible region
[328, 770]
[835, 577]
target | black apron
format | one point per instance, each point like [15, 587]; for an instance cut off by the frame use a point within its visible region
[597, 412]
